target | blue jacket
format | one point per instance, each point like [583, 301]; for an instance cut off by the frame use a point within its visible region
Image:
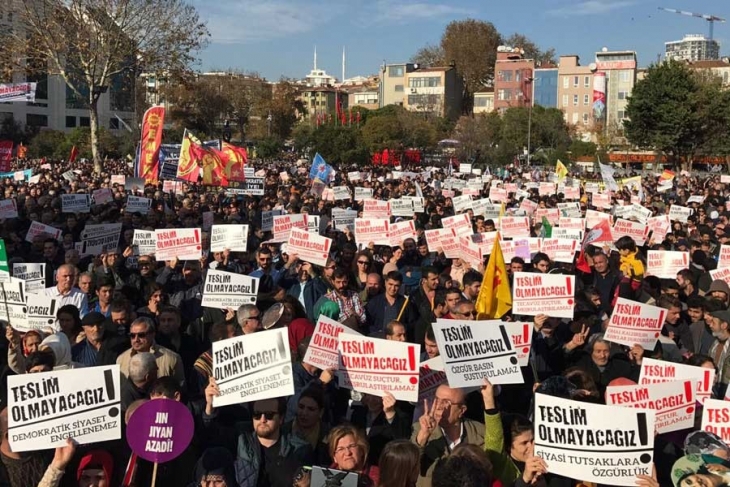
[314, 290]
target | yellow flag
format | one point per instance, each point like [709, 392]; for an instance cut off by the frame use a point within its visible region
[561, 170]
[495, 297]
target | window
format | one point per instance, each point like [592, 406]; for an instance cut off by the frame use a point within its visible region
[70, 122]
[565, 100]
[725, 77]
[585, 119]
[504, 95]
[565, 82]
[84, 122]
[114, 123]
[399, 88]
[576, 81]
[480, 101]
[518, 76]
[626, 76]
[395, 71]
[425, 82]
[587, 81]
[586, 100]
[36, 120]
[621, 114]
[575, 118]
[623, 95]
[575, 100]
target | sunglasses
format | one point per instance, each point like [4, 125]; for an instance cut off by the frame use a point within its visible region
[142, 335]
[473, 313]
[269, 415]
[363, 262]
[144, 264]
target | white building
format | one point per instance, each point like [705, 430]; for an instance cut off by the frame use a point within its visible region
[319, 77]
[693, 47]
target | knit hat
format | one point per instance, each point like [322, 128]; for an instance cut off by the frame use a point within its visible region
[719, 285]
[96, 459]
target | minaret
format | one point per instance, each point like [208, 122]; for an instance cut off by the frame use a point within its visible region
[343, 64]
[315, 58]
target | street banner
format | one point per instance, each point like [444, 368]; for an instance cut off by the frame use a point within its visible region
[627, 228]
[22, 92]
[374, 230]
[231, 237]
[283, 225]
[375, 366]
[310, 247]
[476, 350]
[673, 402]
[398, 232]
[376, 209]
[102, 196]
[34, 276]
[323, 351]
[633, 323]
[138, 204]
[45, 409]
[223, 290]
[160, 431]
[574, 438]
[549, 294]
[144, 242]
[180, 243]
[657, 372]
[716, 418]
[75, 203]
[251, 367]
[665, 264]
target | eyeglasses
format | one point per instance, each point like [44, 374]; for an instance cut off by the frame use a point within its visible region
[142, 334]
[363, 262]
[472, 313]
[345, 448]
[446, 403]
[257, 318]
[269, 415]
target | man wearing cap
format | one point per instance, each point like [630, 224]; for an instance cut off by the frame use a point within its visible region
[719, 323]
[720, 290]
[97, 348]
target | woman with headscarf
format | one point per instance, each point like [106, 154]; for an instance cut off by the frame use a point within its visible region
[20, 346]
[58, 344]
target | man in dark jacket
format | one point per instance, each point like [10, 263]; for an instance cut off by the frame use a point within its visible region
[184, 288]
[99, 347]
[308, 289]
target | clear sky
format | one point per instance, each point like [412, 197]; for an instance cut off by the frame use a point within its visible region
[277, 37]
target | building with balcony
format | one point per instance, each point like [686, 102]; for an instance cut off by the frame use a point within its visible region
[484, 101]
[392, 88]
[693, 47]
[435, 90]
[575, 93]
[513, 77]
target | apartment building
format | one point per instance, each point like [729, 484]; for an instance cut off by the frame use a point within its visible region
[575, 92]
[513, 79]
[436, 90]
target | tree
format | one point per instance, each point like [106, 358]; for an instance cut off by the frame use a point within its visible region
[478, 136]
[472, 46]
[532, 50]
[283, 109]
[92, 43]
[429, 55]
[663, 111]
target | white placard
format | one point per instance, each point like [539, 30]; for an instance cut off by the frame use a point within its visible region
[633, 323]
[659, 226]
[498, 195]
[436, 237]
[573, 437]
[594, 218]
[398, 232]
[520, 333]
[375, 366]
[102, 196]
[514, 226]
[600, 200]
[34, 276]
[665, 264]
[401, 207]
[342, 219]
[13, 306]
[283, 225]
[680, 213]
[362, 194]
[673, 402]
[47, 408]
[144, 242]
[225, 290]
[626, 228]
[8, 209]
[75, 203]
[40, 313]
[376, 209]
[252, 367]
[571, 223]
[341, 193]
[567, 234]
[267, 219]
[657, 372]
[180, 243]
[460, 223]
[475, 350]
[723, 260]
[310, 247]
[99, 239]
[716, 416]
[374, 230]
[138, 204]
[547, 294]
[487, 209]
[323, 348]
[560, 249]
[231, 237]
[462, 203]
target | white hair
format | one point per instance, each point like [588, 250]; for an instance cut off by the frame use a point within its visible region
[141, 365]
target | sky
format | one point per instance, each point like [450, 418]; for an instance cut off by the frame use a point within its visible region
[277, 38]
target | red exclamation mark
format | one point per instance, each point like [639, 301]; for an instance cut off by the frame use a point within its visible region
[197, 238]
[684, 259]
[661, 323]
[525, 337]
[688, 395]
[569, 286]
[707, 381]
[412, 363]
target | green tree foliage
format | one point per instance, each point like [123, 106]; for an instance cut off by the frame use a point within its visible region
[532, 50]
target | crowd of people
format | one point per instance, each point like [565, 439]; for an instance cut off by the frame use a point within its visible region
[119, 307]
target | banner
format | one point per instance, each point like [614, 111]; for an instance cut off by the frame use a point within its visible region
[673, 402]
[716, 418]
[144, 242]
[310, 247]
[47, 408]
[323, 351]
[398, 232]
[475, 350]
[608, 445]
[599, 96]
[284, 223]
[225, 290]
[138, 204]
[6, 155]
[548, 294]
[34, 276]
[633, 323]
[231, 237]
[149, 149]
[180, 243]
[100, 239]
[657, 372]
[375, 366]
[251, 367]
[8, 209]
[37, 228]
[75, 203]
[665, 264]
[374, 230]
[10, 92]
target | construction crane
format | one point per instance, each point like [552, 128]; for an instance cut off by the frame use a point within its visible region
[711, 19]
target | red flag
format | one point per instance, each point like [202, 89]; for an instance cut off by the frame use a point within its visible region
[213, 163]
[149, 153]
[22, 151]
[597, 234]
[6, 154]
[74, 154]
[235, 160]
[338, 107]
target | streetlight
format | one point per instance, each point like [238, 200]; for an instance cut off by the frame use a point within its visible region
[529, 118]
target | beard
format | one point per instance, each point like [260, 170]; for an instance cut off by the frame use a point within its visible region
[266, 431]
